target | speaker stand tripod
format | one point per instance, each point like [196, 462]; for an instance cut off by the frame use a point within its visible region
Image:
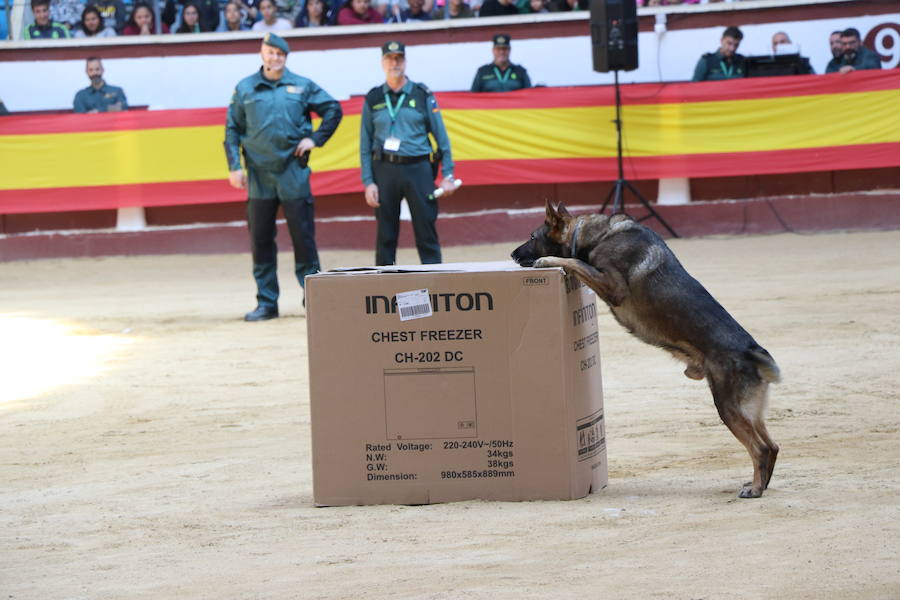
[616, 194]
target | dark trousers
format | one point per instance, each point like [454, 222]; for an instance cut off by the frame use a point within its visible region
[261, 220]
[415, 183]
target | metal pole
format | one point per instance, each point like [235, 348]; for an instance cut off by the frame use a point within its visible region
[157, 21]
[6, 8]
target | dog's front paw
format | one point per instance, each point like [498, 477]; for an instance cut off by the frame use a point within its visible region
[544, 262]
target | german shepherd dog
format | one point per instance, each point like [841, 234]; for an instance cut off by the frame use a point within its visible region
[652, 296]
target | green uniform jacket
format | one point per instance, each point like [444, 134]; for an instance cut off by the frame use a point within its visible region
[713, 67]
[489, 78]
[100, 100]
[269, 118]
[864, 59]
[53, 31]
[417, 116]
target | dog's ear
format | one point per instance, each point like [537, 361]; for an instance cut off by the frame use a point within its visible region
[550, 212]
[562, 211]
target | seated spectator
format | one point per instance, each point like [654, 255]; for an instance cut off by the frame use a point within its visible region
[234, 18]
[501, 75]
[92, 25]
[781, 44]
[496, 8]
[113, 13]
[358, 12]
[99, 97]
[249, 8]
[43, 28]
[854, 55]
[313, 13]
[778, 39]
[208, 11]
[270, 19]
[834, 40]
[142, 22]
[537, 6]
[385, 7]
[190, 19]
[67, 12]
[415, 12]
[458, 9]
[724, 63]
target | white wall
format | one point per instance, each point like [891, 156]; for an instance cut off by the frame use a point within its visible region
[207, 81]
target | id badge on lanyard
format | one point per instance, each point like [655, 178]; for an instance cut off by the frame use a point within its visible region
[392, 143]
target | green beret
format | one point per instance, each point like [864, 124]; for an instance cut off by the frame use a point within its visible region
[276, 41]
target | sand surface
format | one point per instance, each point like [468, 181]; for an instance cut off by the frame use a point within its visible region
[153, 445]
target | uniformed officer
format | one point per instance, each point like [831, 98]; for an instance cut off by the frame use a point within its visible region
[269, 117]
[99, 96]
[724, 63]
[501, 75]
[394, 152]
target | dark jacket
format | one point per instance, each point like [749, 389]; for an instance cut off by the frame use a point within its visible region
[489, 78]
[864, 59]
[714, 67]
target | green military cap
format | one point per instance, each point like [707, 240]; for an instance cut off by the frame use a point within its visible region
[276, 41]
[501, 40]
[393, 47]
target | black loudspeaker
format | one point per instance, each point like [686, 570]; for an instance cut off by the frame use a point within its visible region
[614, 29]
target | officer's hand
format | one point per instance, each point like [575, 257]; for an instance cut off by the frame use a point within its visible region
[846, 69]
[372, 195]
[305, 145]
[237, 179]
[448, 187]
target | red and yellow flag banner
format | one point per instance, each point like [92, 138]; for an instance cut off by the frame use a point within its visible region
[543, 135]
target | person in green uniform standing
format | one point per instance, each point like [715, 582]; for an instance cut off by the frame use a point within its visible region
[501, 75]
[724, 63]
[394, 153]
[269, 117]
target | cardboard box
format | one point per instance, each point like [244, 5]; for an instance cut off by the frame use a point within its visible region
[438, 383]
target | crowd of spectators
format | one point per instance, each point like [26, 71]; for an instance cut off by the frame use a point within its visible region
[55, 19]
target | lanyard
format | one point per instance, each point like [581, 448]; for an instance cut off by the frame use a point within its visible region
[504, 77]
[392, 111]
[729, 71]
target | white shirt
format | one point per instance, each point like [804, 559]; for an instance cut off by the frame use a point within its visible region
[279, 25]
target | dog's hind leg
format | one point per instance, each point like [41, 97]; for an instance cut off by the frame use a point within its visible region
[740, 398]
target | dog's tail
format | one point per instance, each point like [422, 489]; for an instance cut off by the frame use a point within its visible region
[765, 364]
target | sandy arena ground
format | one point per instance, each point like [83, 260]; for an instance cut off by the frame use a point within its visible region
[153, 445]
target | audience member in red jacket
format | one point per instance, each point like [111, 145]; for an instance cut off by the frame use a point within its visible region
[141, 21]
[358, 12]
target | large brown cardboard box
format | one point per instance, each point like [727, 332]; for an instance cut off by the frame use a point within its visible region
[438, 383]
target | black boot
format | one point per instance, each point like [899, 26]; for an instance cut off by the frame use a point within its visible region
[262, 313]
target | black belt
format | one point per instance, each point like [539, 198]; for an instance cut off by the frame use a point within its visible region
[398, 159]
